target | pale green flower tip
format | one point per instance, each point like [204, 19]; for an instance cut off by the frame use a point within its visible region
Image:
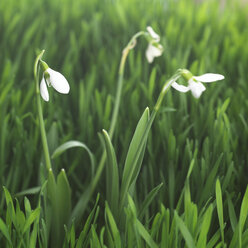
[186, 74]
[44, 65]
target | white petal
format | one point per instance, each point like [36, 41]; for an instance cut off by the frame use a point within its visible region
[180, 87]
[58, 81]
[196, 88]
[154, 35]
[152, 52]
[43, 90]
[209, 77]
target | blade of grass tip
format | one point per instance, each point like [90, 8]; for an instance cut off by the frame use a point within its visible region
[95, 242]
[63, 198]
[4, 230]
[148, 200]
[88, 223]
[113, 227]
[10, 205]
[144, 234]
[112, 175]
[219, 205]
[243, 215]
[32, 217]
[202, 240]
[232, 214]
[185, 231]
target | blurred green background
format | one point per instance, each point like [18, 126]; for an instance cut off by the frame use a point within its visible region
[84, 41]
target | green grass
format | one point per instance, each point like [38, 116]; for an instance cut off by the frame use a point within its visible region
[185, 185]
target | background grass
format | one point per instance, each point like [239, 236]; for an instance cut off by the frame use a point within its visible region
[84, 40]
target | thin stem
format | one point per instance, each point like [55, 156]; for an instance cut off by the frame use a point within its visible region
[40, 113]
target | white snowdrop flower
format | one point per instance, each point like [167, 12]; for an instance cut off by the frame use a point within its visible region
[54, 79]
[154, 49]
[195, 82]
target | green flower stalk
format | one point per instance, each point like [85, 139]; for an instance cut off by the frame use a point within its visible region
[59, 83]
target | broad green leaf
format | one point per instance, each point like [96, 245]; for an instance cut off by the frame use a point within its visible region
[131, 164]
[63, 198]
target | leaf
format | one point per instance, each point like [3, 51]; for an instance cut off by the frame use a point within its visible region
[112, 175]
[220, 208]
[243, 215]
[71, 144]
[202, 240]
[112, 226]
[32, 217]
[133, 161]
[149, 198]
[144, 234]
[5, 232]
[31, 191]
[63, 198]
[185, 232]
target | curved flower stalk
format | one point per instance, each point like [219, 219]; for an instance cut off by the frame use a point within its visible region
[154, 49]
[195, 82]
[54, 79]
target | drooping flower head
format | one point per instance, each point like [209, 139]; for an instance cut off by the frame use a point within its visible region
[54, 79]
[195, 82]
[154, 49]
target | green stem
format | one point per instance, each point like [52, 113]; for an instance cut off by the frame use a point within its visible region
[40, 113]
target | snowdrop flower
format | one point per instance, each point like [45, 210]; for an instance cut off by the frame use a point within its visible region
[195, 82]
[154, 49]
[54, 79]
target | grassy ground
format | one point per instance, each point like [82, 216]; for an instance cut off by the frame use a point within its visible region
[191, 187]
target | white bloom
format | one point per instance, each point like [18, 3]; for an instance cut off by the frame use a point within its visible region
[154, 49]
[54, 79]
[195, 83]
